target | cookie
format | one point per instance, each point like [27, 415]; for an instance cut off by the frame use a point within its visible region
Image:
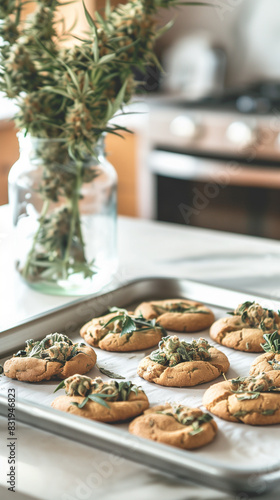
[56, 356]
[181, 364]
[244, 330]
[176, 425]
[101, 401]
[121, 331]
[269, 362]
[251, 400]
[233, 333]
[178, 315]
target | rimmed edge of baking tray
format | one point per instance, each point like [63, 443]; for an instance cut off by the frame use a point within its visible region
[180, 463]
[134, 290]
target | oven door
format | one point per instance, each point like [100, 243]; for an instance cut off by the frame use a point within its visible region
[217, 194]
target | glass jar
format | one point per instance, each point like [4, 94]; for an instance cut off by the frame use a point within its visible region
[64, 211]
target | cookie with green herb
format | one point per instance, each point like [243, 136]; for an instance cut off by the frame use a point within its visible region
[269, 362]
[183, 364]
[178, 315]
[252, 400]
[122, 331]
[55, 356]
[244, 330]
[102, 401]
[176, 425]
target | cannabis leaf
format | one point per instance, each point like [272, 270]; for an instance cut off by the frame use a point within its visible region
[180, 413]
[275, 364]
[96, 398]
[108, 373]
[254, 395]
[130, 324]
[268, 412]
[179, 307]
[196, 429]
[240, 413]
[122, 391]
[172, 351]
[60, 386]
[272, 343]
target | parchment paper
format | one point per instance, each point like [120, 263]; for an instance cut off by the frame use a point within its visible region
[236, 444]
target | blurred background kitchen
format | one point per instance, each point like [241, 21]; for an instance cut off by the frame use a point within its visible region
[206, 145]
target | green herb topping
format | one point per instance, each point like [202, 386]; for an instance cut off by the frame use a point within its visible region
[255, 315]
[274, 364]
[272, 342]
[124, 323]
[178, 307]
[251, 387]
[108, 373]
[172, 351]
[97, 390]
[54, 347]
[188, 416]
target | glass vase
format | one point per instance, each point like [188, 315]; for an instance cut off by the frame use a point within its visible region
[64, 212]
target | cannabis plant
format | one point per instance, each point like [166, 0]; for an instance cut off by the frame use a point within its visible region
[70, 93]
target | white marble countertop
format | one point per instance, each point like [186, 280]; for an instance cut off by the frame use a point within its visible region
[53, 468]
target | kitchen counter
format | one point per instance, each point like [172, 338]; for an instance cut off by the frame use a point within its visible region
[53, 468]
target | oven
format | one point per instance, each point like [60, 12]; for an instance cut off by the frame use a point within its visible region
[217, 194]
[215, 168]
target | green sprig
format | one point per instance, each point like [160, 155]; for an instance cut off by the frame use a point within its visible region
[272, 343]
[109, 373]
[179, 307]
[130, 324]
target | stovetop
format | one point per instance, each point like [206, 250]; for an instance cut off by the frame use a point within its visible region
[240, 123]
[260, 98]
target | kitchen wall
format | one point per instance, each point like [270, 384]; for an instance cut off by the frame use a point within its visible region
[248, 30]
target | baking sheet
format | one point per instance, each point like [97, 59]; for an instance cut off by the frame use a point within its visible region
[236, 445]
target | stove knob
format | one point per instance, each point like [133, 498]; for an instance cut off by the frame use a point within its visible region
[184, 126]
[241, 134]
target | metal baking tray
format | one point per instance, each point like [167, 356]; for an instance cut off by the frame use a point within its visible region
[195, 466]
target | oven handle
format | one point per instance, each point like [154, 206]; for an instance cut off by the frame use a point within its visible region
[183, 166]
